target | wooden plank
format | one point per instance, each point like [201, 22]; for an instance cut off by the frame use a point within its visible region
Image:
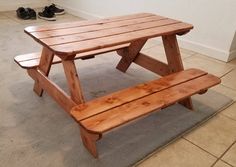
[117, 116]
[89, 141]
[31, 29]
[174, 60]
[152, 64]
[52, 89]
[102, 104]
[73, 81]
[99, 43]
[31, 60]
[96, 28]
[88, 35]
[129, 54]
[44, 66]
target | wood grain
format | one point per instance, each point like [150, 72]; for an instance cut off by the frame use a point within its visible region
[44, 66]
[127, 112]
[52, 89]
[31, 29]
[73, 81]
[31, 60]
[174, 60]
[129, 54]
[109, 41]
[113, 100]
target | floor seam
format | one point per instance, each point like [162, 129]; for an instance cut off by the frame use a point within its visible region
[200, 147]
[226, 73]
[224, 154]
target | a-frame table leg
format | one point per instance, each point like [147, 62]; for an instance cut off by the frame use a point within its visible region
[174, 61]
[44, 66]
[73, 81]
[129, 54]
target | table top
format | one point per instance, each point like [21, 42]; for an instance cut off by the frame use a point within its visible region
[82, 36]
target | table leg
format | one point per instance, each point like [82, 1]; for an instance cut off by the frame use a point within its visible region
[174, 61]
[44, 66]
[129, 54]
[73, 81]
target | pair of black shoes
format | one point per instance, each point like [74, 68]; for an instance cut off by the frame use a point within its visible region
[49, 12]
[26, 13]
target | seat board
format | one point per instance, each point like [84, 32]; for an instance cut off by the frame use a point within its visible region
[127, 112]
[116, 99]
[31, 60]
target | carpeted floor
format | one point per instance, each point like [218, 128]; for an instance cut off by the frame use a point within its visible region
[37, 132]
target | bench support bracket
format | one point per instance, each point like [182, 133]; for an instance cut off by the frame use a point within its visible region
[89, 141]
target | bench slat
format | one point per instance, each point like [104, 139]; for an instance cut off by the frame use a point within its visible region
[102, 104]
[117, 116]
[31, 60]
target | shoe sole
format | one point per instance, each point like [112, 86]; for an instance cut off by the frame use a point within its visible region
[46, 18]
[61, 13]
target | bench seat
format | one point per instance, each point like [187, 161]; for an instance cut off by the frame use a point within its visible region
[31, 60]
[103, 114]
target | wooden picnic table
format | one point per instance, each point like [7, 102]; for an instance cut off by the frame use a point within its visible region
[66, 42]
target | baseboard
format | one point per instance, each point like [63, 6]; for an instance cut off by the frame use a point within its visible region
[232, 55]
[15, 5]
[79, 13]
[204, 49]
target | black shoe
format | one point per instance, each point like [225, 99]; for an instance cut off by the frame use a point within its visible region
[56, 10]
[47, 14]
[22, 13]
[26, 13]
[31, 13]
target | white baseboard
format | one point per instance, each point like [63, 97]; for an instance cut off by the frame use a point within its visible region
[79, 13]
[204, 49]
[232, 55]
[191, 45]
[15, 5]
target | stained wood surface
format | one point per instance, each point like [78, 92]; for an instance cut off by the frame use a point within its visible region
[31, 60]
[45, 64]
[73, 38]
[102, 104]
[73, 81]
[129, 111]
[52, 89]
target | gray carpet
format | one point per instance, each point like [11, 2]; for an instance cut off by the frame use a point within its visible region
[37, 132]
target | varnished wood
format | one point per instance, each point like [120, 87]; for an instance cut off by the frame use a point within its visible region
[152, 64]
[52, 89]
[117, 116]
[44, 66]
[73, 81]
[174, 60]
[89, 140]
[98, 30]
[129, 54]
[102, 104]
[32, 29]
[109, 41]
[75, 38]
[31, 60]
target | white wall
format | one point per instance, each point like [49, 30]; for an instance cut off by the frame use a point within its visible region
[214, 20]
[6, 5]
